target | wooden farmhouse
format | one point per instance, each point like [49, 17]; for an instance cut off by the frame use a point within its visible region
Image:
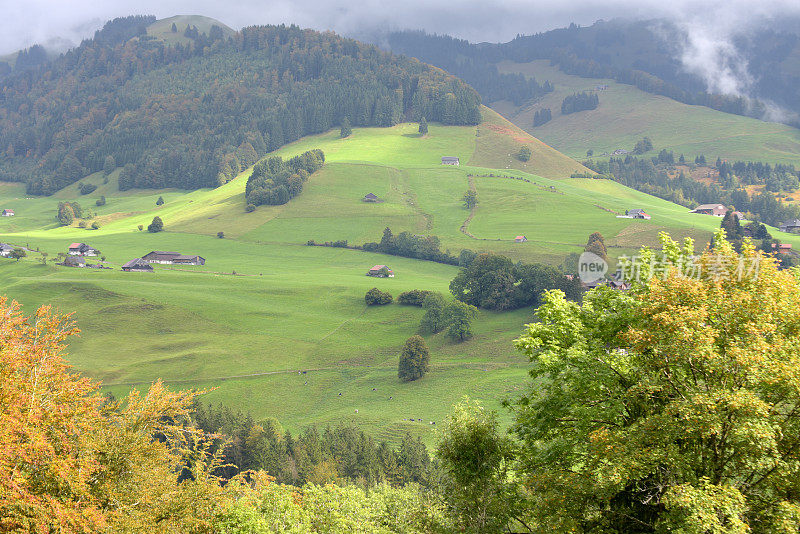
[82, 249]
[791, 227]
[138, 264]
[381, 271]
[74, 261]
[6, 250]
[170, 258]
[638, 213]
[449, 160]
[717, 210]
[520, 239]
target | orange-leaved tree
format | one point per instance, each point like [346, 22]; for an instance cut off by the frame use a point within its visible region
[69, 462]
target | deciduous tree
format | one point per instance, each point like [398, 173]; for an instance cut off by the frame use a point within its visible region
[414, 360]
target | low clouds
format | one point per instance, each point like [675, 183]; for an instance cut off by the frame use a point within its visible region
[709, 24]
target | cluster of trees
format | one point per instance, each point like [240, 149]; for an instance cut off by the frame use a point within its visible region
[408, 245]
[454, 317]
[643, 145]
[468, 63]
[579, 102]
[194, 115]
[68, 212]
[780, 177]
[496, 283]
[376, 297]
[275, 181]
[334, 454]
[415, 297]
[542, 116]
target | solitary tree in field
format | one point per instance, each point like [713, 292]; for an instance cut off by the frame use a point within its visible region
[470, 199]
[414, 359]
[18, 253]
[596, 245]
[160, 201]
[458, 317]
[423, 126]
[669, 408]
[346, 129]
[156, 226]
[524, 153]
[174, 28]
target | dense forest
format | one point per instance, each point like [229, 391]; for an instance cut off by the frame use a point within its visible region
[193, 116]
[638, 53]
[457, 57]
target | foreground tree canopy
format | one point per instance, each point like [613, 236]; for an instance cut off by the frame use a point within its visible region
[672, 408]
[195, 115]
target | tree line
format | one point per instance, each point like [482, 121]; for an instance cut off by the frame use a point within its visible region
[194, 115]
[650, 176]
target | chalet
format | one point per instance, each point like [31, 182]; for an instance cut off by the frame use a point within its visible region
[370, 197]
[520, 239]
[82, 249]
[138, 264]
[159, 256]
[8, 213]
[449, 160]
[189, 260]
[380, 271]
[782, 248]
[74, 261]
[792, 226]
[637, 213]
[717, 210]
[6, 250]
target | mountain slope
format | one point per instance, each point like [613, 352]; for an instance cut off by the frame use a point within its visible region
[189, 116]
[626, 114]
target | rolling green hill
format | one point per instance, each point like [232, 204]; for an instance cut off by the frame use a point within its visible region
[162, 29]
[291, 308]
[626, 114]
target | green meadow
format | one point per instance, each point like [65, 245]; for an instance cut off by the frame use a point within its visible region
[626, 114]
[278, 328]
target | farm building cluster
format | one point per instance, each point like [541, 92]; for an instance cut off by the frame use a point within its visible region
[7, 213]
[381, 271]
[78, 252]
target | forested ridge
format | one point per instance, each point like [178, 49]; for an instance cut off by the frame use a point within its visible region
[193, 116]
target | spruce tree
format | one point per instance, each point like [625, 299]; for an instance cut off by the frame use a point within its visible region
[346, 130]
[423, 126]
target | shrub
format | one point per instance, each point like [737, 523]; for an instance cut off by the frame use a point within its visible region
[221, 235]
[415, 297]
[85, 189]
[141, 227]
[376, 297]
[95, 226]
[414, 359]
[250, 208]
[311, 242]
[101, 201]
[82, 224]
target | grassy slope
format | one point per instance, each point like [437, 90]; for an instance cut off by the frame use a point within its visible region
[162, 29]
[293, 307]
[627, 114]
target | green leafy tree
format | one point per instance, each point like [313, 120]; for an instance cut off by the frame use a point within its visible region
[597, 245]
[458, 317]
[17, 253]
[423, 126]
[470, 199]
[160, 201]
[346, 130]
[101, 201]
[66, 213]
[414, 360]
[476, 458]
[156, 225]
[524, 153]
[433, 321]
[668, 408]
[643, 145]
[376, 297]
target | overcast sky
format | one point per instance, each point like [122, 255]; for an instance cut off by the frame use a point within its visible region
[42, 21]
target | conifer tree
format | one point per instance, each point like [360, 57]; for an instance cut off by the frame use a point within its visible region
[423, 126]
